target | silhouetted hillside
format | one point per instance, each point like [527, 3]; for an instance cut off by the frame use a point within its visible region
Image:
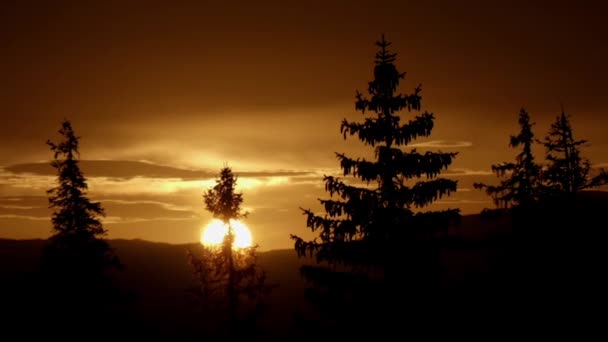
[552, 270]
[155, 283]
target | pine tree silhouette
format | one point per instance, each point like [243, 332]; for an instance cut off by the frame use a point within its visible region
[76, 250]
[77, 261]
[567, 171]
[558, 242]
[228, 277]
[522, 184]
[224, 203]
[373, 224]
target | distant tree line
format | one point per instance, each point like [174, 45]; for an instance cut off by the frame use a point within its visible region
[525, 182]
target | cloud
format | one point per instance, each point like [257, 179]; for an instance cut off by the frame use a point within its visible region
[123, 211]
[24, 217]
[26, 207]
[128, 169]
[458, 172]
[460, 201]
[117, 210]
[18, 207]
[164, 205]
[23, 202]
[442, 144]
[122, 220]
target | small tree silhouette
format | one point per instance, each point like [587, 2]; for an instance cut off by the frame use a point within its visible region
[76, 250]
[522, 185]
[567, 172]
[227, 276]
[372, 226]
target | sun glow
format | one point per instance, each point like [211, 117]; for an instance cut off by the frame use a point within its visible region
[216, 230]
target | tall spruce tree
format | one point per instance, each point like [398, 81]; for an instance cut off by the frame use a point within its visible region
[76, 250]
[521, 185]
[371, 218]
[567, 171]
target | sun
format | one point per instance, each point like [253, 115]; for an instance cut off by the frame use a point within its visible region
[213, 234]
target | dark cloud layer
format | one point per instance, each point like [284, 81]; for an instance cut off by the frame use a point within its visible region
[124, 169]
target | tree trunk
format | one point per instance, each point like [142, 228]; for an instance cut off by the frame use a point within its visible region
[231, 289]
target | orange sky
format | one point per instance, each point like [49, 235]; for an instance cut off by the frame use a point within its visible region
[165, 93]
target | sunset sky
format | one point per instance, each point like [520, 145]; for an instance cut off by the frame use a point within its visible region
[165, 93]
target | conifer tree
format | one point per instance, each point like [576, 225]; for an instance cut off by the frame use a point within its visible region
[374, 215]
[521, 185]
[227, 275]
[567, 171]
[224, 203]
[76, 249]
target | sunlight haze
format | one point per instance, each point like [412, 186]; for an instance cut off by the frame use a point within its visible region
[165, 95]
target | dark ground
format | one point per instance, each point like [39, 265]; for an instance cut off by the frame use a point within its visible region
[545, 278]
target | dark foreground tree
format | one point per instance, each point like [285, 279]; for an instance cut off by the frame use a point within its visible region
[521, 184]
[373, 221]
[567, 172]
[76, 250]
[76, 294]
[230, 284]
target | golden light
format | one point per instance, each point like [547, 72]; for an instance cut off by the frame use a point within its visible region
[216, 230]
